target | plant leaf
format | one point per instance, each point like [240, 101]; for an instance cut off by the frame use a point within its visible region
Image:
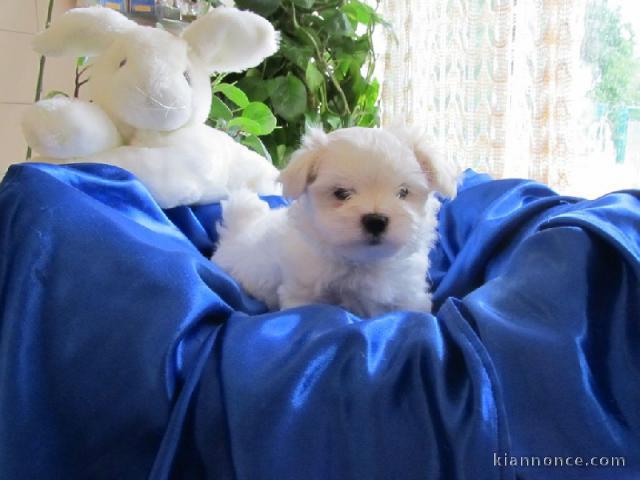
[337, 23]
[368, 120]
[363, 13]
[261, 7]
[255, 144]
[233, 93]
[299, 55]
[261, 114]
[359, 12]
[257, 89]
[281, 150]
[289, 97]
[55, 93]
[372, 94]
[219, 110]
[245, 124]
[309, 36]
[313, 77]
[304, 3]
[333, 121]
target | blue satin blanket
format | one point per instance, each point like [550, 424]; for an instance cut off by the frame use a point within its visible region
[126, 354]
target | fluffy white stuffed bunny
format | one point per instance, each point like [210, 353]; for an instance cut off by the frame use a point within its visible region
[150, 96]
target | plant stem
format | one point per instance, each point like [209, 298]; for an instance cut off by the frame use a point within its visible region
[372, 51]
[293, 15]
[326, 66]
[43, 58]
[79, 83]
[218, 80]
[343, 97]
[41, 69]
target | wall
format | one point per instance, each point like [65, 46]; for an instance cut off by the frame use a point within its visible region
[19, 21]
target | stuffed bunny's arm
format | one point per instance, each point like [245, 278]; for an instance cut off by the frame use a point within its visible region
[65, 128]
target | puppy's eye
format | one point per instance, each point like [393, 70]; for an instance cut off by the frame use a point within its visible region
[123, 63]
[187, 77]
[342, 194]
[403, 193]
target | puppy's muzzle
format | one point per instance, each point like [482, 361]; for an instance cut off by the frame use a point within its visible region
[374, 223]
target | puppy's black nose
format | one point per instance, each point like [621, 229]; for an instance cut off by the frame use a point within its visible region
[374, 223]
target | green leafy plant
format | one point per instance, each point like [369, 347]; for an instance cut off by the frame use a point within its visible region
[321, 76]
[245, 120]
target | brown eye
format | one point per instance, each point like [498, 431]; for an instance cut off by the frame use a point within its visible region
[403, 192]
[342, 194]
[123, 63]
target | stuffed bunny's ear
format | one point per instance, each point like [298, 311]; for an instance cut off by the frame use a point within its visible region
[303, 166]
[230, 40]
[82, 32]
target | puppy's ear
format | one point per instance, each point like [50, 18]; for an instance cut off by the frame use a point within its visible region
[231, 40]
[441, 174]
[303, 166]
[82, 32]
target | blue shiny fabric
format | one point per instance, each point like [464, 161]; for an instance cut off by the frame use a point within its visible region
[125, 353]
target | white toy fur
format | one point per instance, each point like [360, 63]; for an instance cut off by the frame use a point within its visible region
[317, 250]
[151, 94]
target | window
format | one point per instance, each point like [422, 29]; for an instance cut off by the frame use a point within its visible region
[537, 89]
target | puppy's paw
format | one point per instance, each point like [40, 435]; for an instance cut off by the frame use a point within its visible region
[418, 302]
[241, 209]
[292, 296]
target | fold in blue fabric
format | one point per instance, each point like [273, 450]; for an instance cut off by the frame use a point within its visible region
[125, 353]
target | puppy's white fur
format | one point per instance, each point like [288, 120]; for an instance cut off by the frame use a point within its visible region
[317, 250]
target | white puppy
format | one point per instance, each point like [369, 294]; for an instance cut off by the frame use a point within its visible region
[358, 233]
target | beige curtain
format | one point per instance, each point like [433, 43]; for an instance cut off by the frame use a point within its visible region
[490, 80]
